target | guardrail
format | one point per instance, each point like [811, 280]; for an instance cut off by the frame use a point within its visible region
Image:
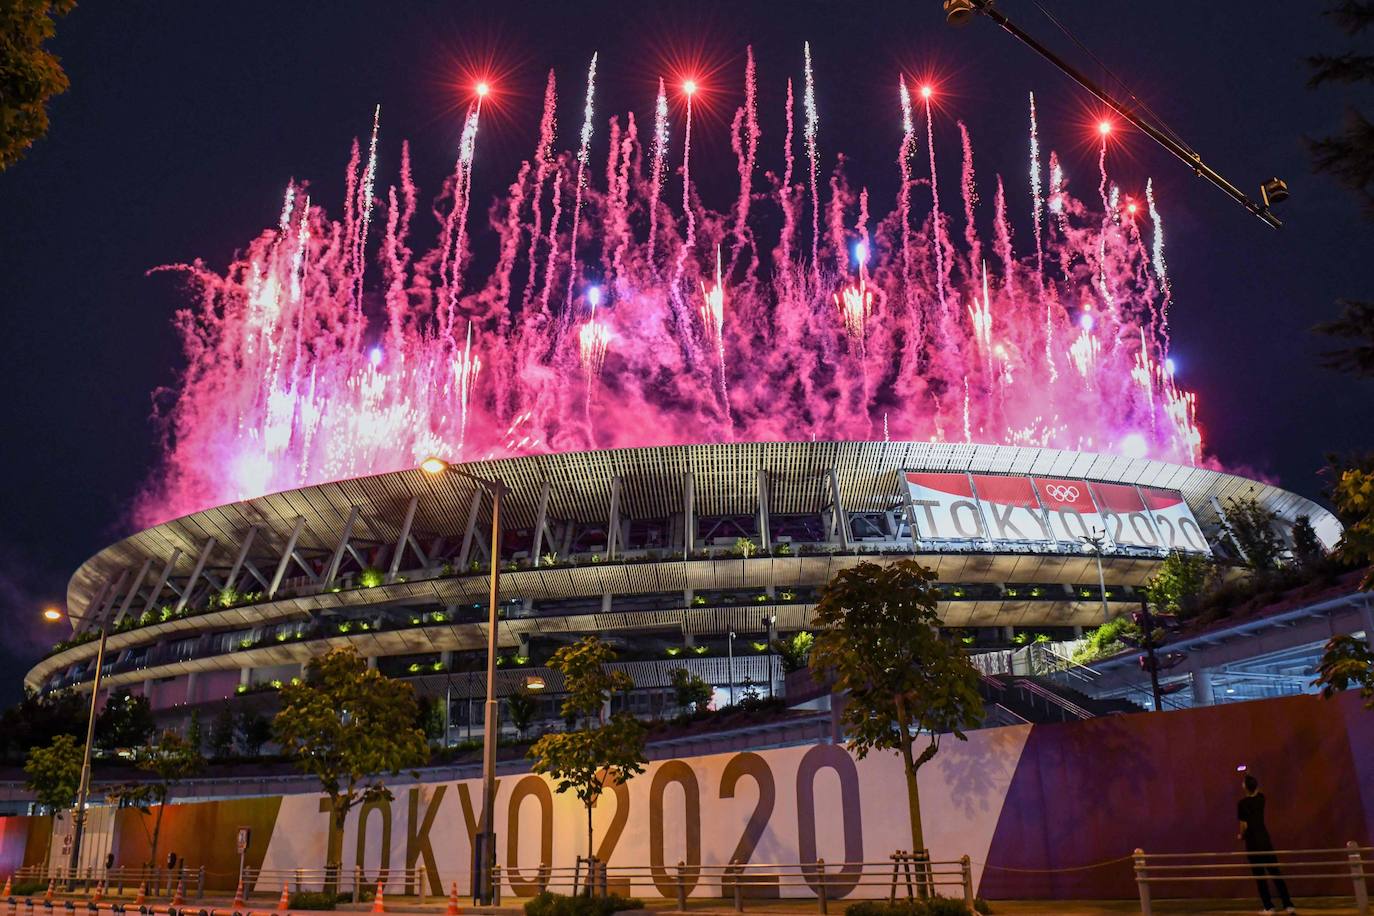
[357, 881]
[902, 874]
[156, 882]
[1351, 862]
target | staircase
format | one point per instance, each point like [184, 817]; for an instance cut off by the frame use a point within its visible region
[1035, 699]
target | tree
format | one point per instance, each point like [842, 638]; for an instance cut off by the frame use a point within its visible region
[195, 732]
[522, 707]
[169, 761]
[1346, 662]
[30, 74]
[125, 722]
[1179, 582]
[222, 733]
[53, 775]
[346, 724]
[794, 651]
[689, 689]
[1251, 527]
[251, 731]
[1308, 551]
[604, 751]
[38, 718]
[879, 638]
[1349, 155]
[1353, 495]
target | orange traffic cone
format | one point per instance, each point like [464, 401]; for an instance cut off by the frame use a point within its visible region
[284, 903]
[453, 908]
[142, 897]
[378, 904]
[9, 888]
[238, 897]
[99, 892]
[47, 896]
[179, 898]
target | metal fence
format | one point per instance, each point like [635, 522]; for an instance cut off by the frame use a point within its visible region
[902, 874]
[90, 882]
[1351, 863]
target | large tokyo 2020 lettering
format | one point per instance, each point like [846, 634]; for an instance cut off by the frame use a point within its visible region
[756, 768]
[682, 774]
[529, 787]
[820, 757]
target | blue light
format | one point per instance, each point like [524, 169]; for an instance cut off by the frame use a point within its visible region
[860, 253]
[374, 356]
[594, 295]
[1086, 320]
[1169, 365]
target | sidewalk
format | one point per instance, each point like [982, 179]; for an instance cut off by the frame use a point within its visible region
[800, 907]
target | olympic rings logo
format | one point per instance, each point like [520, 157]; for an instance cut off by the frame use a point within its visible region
[1064, 493]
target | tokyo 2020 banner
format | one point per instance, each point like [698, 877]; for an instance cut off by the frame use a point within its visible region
[999, 509]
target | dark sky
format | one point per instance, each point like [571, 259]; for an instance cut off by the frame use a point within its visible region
[185, 121]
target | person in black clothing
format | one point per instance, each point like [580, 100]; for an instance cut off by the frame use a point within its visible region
[1250, 812]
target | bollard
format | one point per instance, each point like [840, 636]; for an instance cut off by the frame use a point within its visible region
[1357, 875]
[822, 891]
[739, 902]
[200, 883]
[1142, 882]
[681, 886]
[357, 884]
[420, 879]
[966, 872]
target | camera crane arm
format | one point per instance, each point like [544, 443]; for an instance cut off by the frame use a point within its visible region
[960, 12]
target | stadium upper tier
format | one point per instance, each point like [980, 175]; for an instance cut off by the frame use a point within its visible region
[694, 539]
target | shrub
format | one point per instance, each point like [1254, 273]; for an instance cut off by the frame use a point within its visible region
[28, 888]
[318, 900]
[547, 904]
[930, 906]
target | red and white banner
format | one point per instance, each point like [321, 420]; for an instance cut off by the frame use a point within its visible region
[1072, 511]
[1174, 521]
[1014, 509]
[946, 508]
[1011, 509]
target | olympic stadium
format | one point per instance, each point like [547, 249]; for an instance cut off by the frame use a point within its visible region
[689, 557]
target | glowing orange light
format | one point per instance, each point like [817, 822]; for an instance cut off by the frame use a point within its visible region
[927, 91]
[1104, 127]
[483, 89]
[432, 465]
[689, 86]
[52, 613]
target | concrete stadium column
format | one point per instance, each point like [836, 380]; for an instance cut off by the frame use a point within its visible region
[245, 676]
[372, 662]
[1202, 687]
[446, 659]
[192, 680]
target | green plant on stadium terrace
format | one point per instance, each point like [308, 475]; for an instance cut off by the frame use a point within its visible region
[1107, 640]
[549, 904]
[795, 650]
[701, 650]
[674, 651]
[371, 577]
[783, 550]
[745, 547]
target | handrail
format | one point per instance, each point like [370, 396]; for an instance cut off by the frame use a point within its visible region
[916, 875]
[1050, 696]
[1351, 862]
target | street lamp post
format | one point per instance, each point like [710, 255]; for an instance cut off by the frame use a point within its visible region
[484, 849]
[730, 650]
[83, 790]
[1094, 542]
[770, 635]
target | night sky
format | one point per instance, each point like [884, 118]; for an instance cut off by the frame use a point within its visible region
[185, 121]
